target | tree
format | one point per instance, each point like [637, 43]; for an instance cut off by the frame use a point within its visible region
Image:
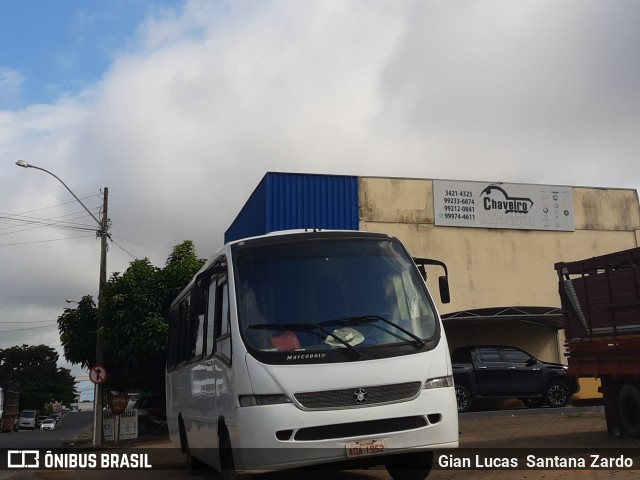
[35, 369]
[136, 311]
[77, 327]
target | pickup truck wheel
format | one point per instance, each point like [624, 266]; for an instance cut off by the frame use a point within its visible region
[557, 394]
[533, 402]
[463, 397]
[629, 409]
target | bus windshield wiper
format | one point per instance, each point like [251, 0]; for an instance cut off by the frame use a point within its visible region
[374, 318]
[306, 327]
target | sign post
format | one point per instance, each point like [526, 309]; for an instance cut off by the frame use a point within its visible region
[118, 404]
[97, 375]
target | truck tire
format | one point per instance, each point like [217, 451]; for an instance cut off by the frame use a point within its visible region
[557, 394]
[463, 398]
[629, 409]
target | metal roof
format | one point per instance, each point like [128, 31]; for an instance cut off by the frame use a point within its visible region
[544, 316]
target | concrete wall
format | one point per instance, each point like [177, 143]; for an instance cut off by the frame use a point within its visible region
[499, 267]
[502, 267]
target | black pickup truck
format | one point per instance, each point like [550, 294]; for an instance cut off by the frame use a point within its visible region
[497, 371]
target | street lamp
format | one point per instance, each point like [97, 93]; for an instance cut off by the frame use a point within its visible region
[103, 233]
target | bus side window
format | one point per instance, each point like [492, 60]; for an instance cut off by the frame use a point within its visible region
[196, 324]
[211, 315]
[223, 328]
[173, 338]
[182, 330]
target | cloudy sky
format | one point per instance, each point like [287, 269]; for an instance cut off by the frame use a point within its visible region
[181, 107]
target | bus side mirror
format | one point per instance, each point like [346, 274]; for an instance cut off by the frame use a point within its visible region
[423, 271]
[443, 283]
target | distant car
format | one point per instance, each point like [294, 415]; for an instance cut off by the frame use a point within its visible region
[499, 371]
[152, 414]
[56, 416]
[41, 418]
[153, 405]
[48, 424]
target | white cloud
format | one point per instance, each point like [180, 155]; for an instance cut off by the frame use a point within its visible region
[10, 86]
[206, 100]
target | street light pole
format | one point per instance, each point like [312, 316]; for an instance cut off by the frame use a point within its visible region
[103, 233]
[98, 395]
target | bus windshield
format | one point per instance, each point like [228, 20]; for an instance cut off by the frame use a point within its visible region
[331, 293]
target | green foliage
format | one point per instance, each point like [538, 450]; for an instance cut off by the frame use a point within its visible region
[35, 369]
[136, 311]
[180, 267]
[77, 327]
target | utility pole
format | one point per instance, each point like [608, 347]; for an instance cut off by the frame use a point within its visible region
[98, 435]
[103, 233]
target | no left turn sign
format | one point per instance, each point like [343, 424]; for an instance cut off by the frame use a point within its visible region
[98, 374]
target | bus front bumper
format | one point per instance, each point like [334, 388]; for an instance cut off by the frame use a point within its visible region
[284, 437]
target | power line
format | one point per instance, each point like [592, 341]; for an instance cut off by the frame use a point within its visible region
[28, 321]
[123, 249]
[68, 220]
[43, 241]
[37, 222]
[59, 204]
[28, 328]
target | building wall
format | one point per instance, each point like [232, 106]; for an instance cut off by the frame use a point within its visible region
[502, 267]
[287, 201]
[496, 267]
[487, 267]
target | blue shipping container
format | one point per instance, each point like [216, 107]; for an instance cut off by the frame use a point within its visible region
[286, 201]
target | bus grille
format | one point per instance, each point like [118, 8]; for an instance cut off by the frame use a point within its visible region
[359, 396]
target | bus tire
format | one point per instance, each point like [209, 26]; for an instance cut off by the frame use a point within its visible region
[410, 466]
[182, 434]
[227, 467]
[629, 410]
[196, 467]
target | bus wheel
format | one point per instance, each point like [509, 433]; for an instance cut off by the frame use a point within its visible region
[226, 458]
[629, 409]
[196, 467]
[182, 434]
[410, 466]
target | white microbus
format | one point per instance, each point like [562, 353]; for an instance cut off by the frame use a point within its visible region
[307, 348]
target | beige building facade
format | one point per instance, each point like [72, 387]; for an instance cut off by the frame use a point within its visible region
[503, 282]
[500, 241]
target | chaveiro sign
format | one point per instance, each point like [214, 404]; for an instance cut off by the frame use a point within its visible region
[503, 205]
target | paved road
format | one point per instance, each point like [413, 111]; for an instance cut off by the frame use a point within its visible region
[69, 431]
[513, 433]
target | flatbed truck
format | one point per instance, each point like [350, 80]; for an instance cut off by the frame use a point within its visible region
[600, 299]
[9, 410]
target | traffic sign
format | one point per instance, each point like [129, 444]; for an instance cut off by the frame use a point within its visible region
[98, 374]
[118, 403]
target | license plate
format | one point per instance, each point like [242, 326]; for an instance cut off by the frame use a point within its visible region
[366, 447]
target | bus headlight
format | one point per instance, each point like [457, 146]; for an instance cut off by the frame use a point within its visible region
[439, 382]
[257, 400]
